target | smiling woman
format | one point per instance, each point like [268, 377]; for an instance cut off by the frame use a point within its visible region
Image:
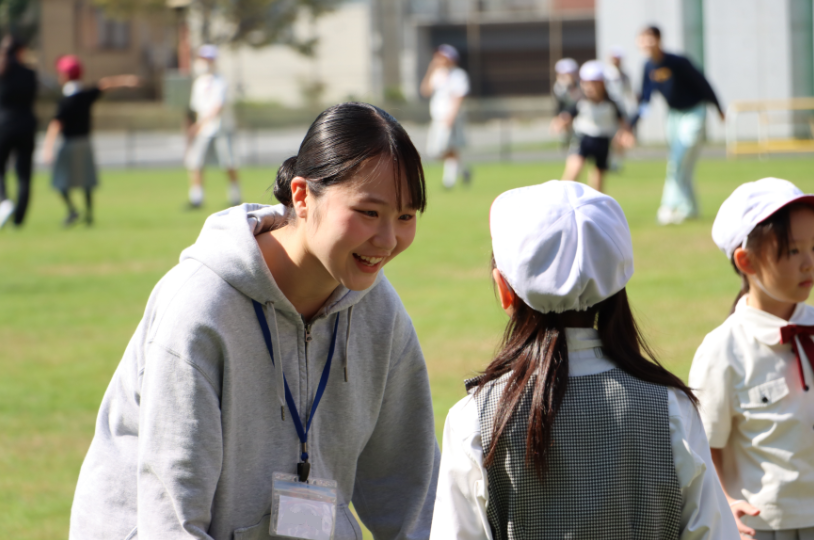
[228, 416]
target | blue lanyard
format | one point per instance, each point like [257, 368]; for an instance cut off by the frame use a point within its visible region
[304, 467]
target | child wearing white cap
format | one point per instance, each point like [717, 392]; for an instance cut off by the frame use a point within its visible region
[566, 93]
[754, 373]
[447, 84]
[595, 119]
[574, 430]
[212, 133]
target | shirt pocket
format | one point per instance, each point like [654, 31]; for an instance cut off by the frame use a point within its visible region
[763, 396]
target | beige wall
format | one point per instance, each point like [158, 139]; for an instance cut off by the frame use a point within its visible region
[277, 73]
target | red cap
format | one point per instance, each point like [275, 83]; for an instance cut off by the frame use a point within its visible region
[71, 66]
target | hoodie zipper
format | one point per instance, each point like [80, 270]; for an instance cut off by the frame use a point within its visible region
[308, 339]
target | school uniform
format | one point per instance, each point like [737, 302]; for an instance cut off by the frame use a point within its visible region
[757, 406]
[74, 166]
[684, 467]
[447, 85]
[595, 124]
[215, 138]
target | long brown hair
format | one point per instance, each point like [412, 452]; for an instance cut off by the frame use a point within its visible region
[777, 227]
[535, 354]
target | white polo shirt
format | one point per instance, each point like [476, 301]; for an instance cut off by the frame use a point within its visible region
[462, 494]
[754, 408]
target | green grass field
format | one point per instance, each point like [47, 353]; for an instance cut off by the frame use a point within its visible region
[70, 299]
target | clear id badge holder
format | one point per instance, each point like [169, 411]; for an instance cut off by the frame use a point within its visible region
[304, 510]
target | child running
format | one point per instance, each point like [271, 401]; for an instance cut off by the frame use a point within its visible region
[75, 166]
[754, 372]
[595, 118]
[276, 376]
[574, 430]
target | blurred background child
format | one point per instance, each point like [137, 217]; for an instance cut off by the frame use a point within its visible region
[213, 129]
[446, 84]
[754, 373]
[595, 119]
[74, 166]
[18, 126]
[566, 93]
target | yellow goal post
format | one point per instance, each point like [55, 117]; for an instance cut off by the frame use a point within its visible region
[767, 112]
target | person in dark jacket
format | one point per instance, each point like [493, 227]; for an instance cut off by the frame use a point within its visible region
[687, 93]
[18, 125]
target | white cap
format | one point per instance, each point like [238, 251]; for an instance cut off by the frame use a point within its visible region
[592, 70]
[449, 52]
[210, 52]
[561, 245]
[750, 204]
[617, 51]
[566, 65]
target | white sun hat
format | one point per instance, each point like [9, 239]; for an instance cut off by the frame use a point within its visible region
[566, 65]
[561, 245]
[592, 70]
[750, 204]
[617, 51]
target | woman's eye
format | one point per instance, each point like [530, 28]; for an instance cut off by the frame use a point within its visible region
[406, 217]
[794, 251]
[369, 213]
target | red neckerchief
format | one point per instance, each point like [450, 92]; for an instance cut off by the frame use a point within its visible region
[803, 335]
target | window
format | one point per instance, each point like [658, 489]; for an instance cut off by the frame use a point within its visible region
[95, 31]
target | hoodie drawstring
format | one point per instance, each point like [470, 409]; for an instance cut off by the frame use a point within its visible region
[347, 343]
[278, 365]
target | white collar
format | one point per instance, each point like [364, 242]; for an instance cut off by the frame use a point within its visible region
[585, 356]
[764, 326]
[71, 87]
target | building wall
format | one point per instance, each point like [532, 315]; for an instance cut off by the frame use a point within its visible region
[64, 30]
[342, 62]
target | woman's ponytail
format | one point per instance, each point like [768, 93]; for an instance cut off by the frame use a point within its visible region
[282, 185]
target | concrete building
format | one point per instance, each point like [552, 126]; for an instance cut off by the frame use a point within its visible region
[378, 50]
[748, 49]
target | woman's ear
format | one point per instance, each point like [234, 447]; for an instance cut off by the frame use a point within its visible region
[299, 196]
[504, 292]
[743, 261]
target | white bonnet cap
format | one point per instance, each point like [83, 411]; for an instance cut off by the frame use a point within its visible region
[617, 51]
[561, 245]
[566, 65]
[210, 52]
[750, 204]
[592, 70]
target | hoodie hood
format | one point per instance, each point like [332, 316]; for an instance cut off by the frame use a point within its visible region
[228, 247]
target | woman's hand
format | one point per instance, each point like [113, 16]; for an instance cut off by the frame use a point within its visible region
[740, 509]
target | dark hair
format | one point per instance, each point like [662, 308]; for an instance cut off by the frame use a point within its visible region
[535, 353]
[341, 140]
[777, 227]
[9, 47]
[652, 30]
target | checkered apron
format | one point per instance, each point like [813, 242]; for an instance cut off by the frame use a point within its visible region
[611, 473]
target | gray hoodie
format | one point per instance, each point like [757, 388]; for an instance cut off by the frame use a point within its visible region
[190, 433]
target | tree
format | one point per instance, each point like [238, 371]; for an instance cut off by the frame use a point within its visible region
[20, 17]
[252, 22]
